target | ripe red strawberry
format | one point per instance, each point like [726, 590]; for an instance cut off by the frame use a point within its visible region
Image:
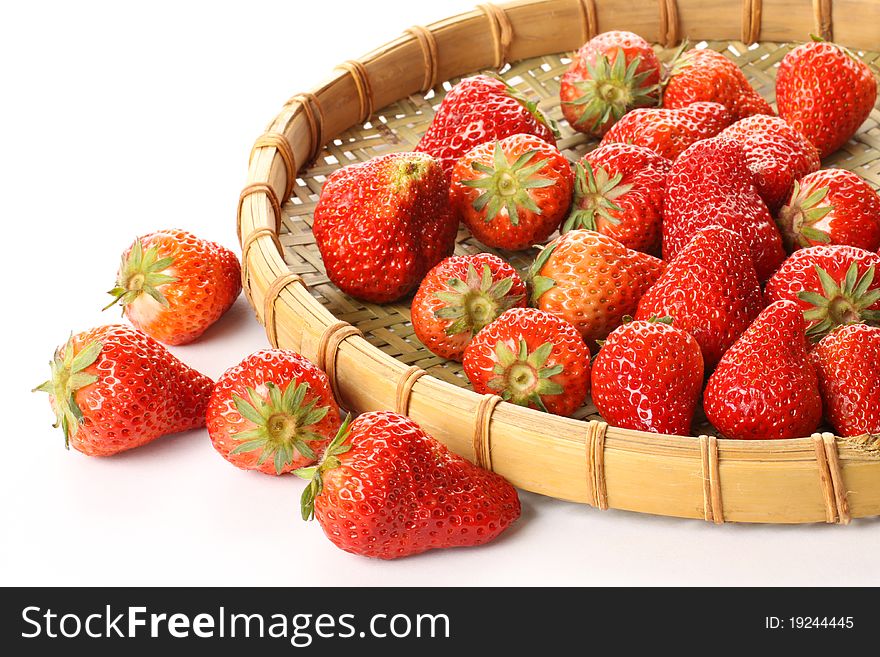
[849, 378]
[832, 206]
[273, 412]
[648, 376]
[710, 290]
[459, 297]
[512, 193]
[114, 388]
[386, 489]
[480, 109]
[591, 281]
[173, 285]
[530, 358]
[707, 75]
[832, 284]
[619, 193]
[611, 74]
[710, 184]
[776, 154]
[765, 388]
[669, 132]
[825, 92]
[381, 225]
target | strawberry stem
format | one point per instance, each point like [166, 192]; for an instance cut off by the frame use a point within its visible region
[472, 304]
[524, 378]
[595, 193]
[314, 474]
[842, 302]
[141, 272]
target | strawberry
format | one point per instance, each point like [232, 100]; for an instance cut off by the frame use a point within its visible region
[381, 225]
[272, 412]
[512, 193]
[611, 74]
[776, 154]
[669, 132]
[619, 193]
[591, 281]
[849, 378]
[832, 284]
[708, 76]
[480, 109]
[115, 388]
[173, 285]
[648, 376]
[530, 358]
[386, 489]
[459, 297]
[710, 290]
[832, 206]
[765, 387]
[825, 92]
[710, 183]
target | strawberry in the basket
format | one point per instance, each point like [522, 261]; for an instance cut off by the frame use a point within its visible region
[648, 376]
[386, 489]
[114, 388]
[480, 109]
[611, 74]
[831, 206]
[173, 285]
[459, 297]
[512, 193]
[381, 225]
[824, 91]
[273, 412]
[619, 193]
[530, 358]
[765, 386]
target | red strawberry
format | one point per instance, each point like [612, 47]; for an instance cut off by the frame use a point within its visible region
[480, 109]
[114, 388]
[825, 92]
[273, 412]
[832, 206]
[710, 290]
[849, 378]
[512, 193]
[382, 224]
[459, 297]
[669, 132]
[776, 154]
[591, 281]
[611, 74]
[833, 285]
[710, 184]
[707, 75]
[765, 387]
[530, 358]
[386, 489]
[619, 193]
[173, 285]
[648, 376]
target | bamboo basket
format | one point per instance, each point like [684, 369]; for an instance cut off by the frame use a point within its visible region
[383, 102]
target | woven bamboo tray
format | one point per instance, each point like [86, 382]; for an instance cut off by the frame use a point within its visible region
[383, 103]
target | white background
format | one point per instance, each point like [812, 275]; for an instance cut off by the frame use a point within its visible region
[119, 119]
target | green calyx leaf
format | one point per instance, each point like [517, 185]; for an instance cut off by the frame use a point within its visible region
[797, 220]
[471, 304]
[524, 378]
[530, 105]
[141, 272]
[677, 63]
[595, 193]
[540, 284]
[314, 474]
[284, 424]
[841, 302]
[67, 377]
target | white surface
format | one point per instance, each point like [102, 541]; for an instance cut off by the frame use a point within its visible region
[120, 120]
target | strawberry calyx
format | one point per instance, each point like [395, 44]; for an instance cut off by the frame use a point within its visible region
[677, 63]
[523, 377]
[538, 284]
[798, 220]
[530, 105]
[475, 302]
[507, 185]
[314, 474]
[595, 193]
[282, 424]
[66, 379]
[141, 272]
[845, 302]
